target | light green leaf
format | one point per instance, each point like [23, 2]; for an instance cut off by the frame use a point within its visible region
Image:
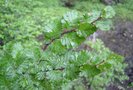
[93, 16]
[49, 28]
[54, 75]
[17, 47]
[108, 12]
[70, 17]
[104, 25]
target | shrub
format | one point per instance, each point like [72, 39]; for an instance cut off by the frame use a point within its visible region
[58, 65]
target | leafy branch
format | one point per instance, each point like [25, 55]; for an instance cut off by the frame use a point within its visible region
[52, 40]
[66, 32]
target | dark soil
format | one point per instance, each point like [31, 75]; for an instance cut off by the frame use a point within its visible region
[111, 2]
[120, 40]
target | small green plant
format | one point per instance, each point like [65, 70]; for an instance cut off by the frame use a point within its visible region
[59, 65]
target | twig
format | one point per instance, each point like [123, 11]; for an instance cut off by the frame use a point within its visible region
[96, 19]
[52, 40]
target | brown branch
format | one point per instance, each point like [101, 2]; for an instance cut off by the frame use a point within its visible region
[102, 62]
[52, 40]
[60, 69]
[96, 20]
[68, 31]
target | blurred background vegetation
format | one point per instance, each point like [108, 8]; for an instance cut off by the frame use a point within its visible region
[18, 18]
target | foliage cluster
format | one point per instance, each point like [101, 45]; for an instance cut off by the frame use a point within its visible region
[19, 18]
[28, 67]
[22, 20]
[58, 65]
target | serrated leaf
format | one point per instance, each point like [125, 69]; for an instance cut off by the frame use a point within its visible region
[67, 42]
[104, 25]
[108, 12]
[90, 70]
[104, 66]
[29, 54]
[17, 47]
[57, 47]
[93, 16]
[86, 29]
[49, 28]
[54, 75]
[69, 17]
[40, 75]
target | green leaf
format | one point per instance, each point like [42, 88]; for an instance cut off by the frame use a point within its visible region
[90, 70]
[86, 29]
[104, 66]
[93, 16]
[54, 75]
[67, 42]
[49, 28]
[17, 47]
[57, 47]
[1, 36]
[108, 12]
[104, 25]
[70, 17]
